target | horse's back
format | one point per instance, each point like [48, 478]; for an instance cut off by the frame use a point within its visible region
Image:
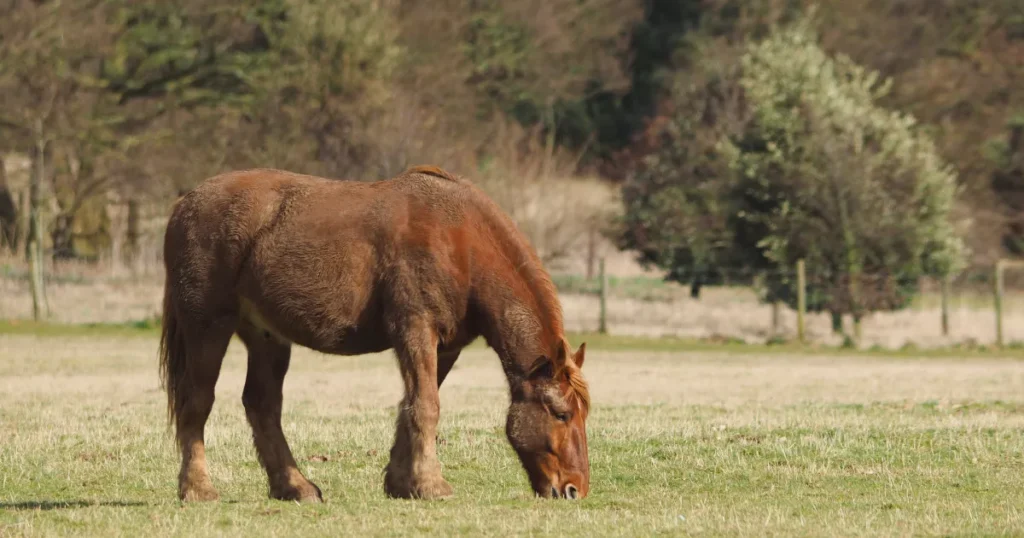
[249, 198]
[318, 261]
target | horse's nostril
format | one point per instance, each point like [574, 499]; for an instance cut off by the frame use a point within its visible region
[554, 493]
[571, 492]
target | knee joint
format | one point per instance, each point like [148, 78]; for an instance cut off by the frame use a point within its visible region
[425, 411]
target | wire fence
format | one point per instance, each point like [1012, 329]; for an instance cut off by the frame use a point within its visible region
[983, 306]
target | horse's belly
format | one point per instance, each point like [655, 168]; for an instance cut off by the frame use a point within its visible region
[354, 341]
[318, 327]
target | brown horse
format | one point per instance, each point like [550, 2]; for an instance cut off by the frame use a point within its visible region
[422, 263]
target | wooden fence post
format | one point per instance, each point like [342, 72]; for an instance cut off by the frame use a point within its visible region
[776, 318]
[945, 305]
[997, 288]
[602, 324]
[801, 299]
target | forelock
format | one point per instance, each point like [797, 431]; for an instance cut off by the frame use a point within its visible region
[577, 385]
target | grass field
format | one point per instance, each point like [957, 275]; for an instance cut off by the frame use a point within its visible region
[682, 442]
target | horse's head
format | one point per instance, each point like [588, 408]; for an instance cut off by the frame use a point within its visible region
[547, 425]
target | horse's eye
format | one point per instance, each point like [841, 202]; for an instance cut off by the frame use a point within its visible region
[564, 417]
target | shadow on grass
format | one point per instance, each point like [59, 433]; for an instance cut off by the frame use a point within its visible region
[63, 505]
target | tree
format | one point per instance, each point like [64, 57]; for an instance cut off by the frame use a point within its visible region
[1008, 183]
[816, 170]
[331, 79]
[49, 49]
[189, 76]
[546, 62]
[956, 66]
[679, 211]
[855, 188]
[655, 42]
[8, 213]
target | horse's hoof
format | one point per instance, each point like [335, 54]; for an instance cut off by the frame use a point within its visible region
[198, 494]
[438, 489]
[306, 493]
[431, 488]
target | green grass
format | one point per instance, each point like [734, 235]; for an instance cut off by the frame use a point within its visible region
[144, 328]
[706, 442]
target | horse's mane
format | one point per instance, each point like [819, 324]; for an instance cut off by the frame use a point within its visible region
[532, 271]
[546, 295]
[432, 170]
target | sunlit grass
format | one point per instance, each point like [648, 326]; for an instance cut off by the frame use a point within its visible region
[702, 442]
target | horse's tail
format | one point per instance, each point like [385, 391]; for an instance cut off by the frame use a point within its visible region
[173, 357]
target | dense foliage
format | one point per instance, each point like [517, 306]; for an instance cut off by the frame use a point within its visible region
[788, 155]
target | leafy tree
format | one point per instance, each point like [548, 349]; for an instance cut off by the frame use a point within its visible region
[655, 43]
[855, 187]
[189, 70]
[189, 53]
[956, 66]
[680, 213]
[1008, 183]
[546, 61]
[47, 78]
[332, 78]
[816, 169]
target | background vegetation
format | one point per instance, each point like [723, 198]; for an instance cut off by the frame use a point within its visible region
[890, 149]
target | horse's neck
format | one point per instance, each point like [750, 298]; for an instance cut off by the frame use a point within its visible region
[519, 336]
[523, 312]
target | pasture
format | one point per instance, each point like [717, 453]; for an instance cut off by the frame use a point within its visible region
[738, 441]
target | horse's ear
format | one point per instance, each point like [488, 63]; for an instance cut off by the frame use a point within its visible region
[578, 356]
[543, 368]
[562, 350]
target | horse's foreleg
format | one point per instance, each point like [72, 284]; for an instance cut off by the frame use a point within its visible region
[262, 398]
[414, 470]
[205, 349]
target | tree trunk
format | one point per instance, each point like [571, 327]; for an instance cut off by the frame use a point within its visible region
[837, 322]
[62, 238]
[134, 233]
[853, 288]
[8, 213]
[776, 318]
[853, 264]
[21, 229]
[35, 233]
[8, 217]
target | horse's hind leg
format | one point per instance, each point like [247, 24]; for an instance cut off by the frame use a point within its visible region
[414, 470]
[206, 348]
[262, 397]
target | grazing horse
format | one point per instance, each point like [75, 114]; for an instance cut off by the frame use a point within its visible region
[422, 263]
